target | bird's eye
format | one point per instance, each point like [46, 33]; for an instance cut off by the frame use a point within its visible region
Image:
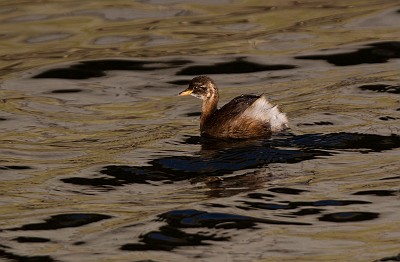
[198, 86]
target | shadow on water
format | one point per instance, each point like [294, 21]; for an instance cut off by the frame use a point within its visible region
[389, 259]
[15, 167]
[373, 53]
[210, 225]
[171, 236]
[13, 257]
[381, 88]
[55, 222]
[218, 158]
[98, 68]
[64, 221]
[32, 240]
[206, 226]
[378, 192]
[238, 66]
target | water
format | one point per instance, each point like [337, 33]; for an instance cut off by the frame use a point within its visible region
[102, 161]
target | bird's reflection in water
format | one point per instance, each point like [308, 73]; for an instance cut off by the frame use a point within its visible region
[227, 156]
[231, 166]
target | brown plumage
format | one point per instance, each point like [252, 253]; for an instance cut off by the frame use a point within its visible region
[246, 116]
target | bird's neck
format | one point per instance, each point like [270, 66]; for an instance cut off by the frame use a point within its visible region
[208, 109]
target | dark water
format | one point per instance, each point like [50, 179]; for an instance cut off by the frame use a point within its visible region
[102, 161]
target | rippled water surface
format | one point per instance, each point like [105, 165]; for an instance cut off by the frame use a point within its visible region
[102, 161]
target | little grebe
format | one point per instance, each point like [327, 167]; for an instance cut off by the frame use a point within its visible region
[246, 116]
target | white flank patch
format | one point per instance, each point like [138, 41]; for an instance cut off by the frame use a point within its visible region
[264, 111]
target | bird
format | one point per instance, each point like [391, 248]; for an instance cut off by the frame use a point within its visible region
[246, 116]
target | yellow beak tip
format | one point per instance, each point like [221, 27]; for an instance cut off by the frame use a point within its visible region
[185, 93]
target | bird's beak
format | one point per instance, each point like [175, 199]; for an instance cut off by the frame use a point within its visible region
[186, 92]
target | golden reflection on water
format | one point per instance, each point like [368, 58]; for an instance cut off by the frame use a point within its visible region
[67, 31]
[128, 118]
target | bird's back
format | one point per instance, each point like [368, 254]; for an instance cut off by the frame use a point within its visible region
[243, 117]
